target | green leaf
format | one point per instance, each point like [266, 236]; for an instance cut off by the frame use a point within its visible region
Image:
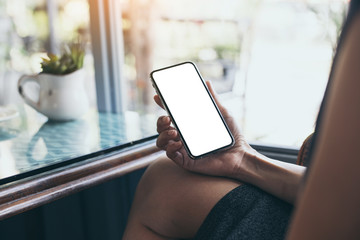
[70, 60]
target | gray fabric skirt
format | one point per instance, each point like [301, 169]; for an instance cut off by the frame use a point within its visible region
[246, 212]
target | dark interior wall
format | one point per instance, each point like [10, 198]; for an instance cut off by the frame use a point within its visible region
[96, 213]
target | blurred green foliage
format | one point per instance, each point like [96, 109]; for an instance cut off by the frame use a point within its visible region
[69, 61]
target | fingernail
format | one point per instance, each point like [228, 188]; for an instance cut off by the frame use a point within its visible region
[165, 119]
[172, 133]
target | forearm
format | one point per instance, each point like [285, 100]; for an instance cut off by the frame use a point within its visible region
[278, 178]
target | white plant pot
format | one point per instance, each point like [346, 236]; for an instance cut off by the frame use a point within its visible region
[61, 97]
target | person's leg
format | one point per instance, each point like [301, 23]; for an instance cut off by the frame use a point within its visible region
[172, 203]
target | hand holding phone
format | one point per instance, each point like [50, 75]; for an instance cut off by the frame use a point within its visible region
[222, 163]
[192, 109]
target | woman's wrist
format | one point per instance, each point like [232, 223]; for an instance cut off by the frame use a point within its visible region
[245, 170]
[275, 177]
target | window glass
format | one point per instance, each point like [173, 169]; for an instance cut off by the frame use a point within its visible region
[29, 142]
[30, 29]
[268, 59]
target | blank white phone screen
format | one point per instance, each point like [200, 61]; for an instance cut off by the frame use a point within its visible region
[192, 109]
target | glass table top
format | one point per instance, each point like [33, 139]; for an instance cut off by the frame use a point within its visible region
[30, 144]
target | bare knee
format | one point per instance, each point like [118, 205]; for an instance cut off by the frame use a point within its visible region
[174, 202]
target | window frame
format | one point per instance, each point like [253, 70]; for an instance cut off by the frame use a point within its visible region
[282, 153]
[108, 51]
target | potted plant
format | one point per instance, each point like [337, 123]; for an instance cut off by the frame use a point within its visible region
[62, 94]
[72, 59]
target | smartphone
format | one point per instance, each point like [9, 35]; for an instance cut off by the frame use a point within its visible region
[192, 109]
